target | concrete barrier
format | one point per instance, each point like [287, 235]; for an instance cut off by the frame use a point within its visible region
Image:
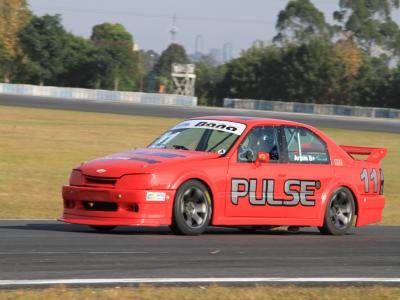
[311, 108]
[100, 95]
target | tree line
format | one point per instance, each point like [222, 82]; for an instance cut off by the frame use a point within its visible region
[354, 61]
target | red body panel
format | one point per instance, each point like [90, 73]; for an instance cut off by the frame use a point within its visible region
[138, 187]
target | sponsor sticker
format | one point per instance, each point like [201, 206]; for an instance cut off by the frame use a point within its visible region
[231, 127]
[338, 162]
[155, 196]
[300, 191]
[221, 151]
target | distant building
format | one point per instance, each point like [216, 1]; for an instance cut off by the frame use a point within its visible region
[216, 54]
[195, 57]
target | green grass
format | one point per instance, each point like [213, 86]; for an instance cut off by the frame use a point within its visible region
[38, 148]
[208, 293]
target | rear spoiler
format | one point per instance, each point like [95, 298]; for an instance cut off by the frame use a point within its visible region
[374, 154]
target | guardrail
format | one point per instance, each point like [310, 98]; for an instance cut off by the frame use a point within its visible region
[311, 108]
[101, 95]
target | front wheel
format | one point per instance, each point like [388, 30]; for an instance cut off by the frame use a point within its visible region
[192, 208]
[339, 213]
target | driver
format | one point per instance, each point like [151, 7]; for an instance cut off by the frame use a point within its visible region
[259, 140]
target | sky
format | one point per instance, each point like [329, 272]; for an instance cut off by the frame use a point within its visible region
[219, 22]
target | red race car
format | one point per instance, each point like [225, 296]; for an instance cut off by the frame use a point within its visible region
[230, 171]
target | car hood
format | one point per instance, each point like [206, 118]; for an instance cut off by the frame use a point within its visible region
[145, 160]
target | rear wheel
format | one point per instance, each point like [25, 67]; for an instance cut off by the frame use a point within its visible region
[339, 212]
[192, 208]
[102, 228]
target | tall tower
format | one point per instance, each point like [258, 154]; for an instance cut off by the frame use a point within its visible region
[198, 45]
[227, 52]
[173, 30]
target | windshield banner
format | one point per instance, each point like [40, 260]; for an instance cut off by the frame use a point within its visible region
[231, 127]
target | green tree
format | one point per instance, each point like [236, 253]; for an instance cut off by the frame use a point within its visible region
[14, 15]
[147, 60]
[301, 21]
[208, 75]
[114, 58]
[75, 55]
[108, 33]
[306, 73]
[173, 54]
[310, 74]
[245, 75]
[371, 24]
[393, 99]
[44, 40]
[109, 67]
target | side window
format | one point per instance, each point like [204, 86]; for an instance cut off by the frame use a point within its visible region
[303, 146]
[259, 139]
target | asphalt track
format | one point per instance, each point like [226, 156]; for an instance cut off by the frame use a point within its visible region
[32, 250]
[48, 251]
[369, 124]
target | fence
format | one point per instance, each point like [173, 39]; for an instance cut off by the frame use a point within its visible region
[101, 95]
[323, 109]
[168, 99]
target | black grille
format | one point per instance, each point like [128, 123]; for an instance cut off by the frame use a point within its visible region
[100, 206]
[100, 180]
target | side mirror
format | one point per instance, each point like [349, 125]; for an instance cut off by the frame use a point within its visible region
[262, 158]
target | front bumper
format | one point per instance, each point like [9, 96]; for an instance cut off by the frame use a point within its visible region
[95, 206]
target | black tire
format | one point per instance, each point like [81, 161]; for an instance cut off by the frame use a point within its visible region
[339, 213]
[102, 228]
[192, 208]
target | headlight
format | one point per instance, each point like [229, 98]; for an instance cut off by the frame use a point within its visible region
[135, 182]
[76, 178]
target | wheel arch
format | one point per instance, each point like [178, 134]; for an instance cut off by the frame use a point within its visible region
[331, 225]
[204, 182]
[179, 222]
[352, 189]
[209, 189]
[354, 197]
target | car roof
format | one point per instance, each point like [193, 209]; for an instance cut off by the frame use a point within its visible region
[251, 121]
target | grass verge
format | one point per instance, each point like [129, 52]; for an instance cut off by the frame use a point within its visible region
[38, 148]
[208, 293]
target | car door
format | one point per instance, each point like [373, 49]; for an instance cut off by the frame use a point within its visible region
[252, 188]
[307, 174]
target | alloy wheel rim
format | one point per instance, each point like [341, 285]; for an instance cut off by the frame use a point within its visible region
[341, 210]
[194, 207]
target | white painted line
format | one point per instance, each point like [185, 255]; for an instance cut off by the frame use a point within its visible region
[199, 280]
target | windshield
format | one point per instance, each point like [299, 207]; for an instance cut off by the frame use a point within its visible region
[201, 135]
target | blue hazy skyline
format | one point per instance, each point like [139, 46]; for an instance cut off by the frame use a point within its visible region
[217, 21]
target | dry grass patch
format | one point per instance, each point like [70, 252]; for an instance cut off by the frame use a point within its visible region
[209, 293]
[39, 147]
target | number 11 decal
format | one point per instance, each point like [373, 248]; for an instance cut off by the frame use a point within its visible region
[373, 177]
